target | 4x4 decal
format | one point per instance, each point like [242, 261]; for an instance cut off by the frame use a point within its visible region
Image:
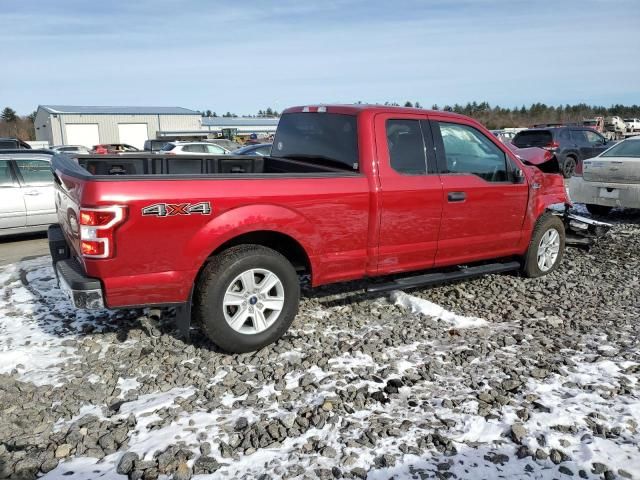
[172, 209]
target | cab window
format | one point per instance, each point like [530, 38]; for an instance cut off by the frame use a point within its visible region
[468, 151]
[406, 147]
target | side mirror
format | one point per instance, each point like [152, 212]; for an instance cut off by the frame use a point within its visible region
[518, 176]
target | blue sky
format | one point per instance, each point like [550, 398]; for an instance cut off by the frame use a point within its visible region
[242, 56]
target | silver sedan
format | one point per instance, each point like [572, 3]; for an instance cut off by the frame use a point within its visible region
[26, 192]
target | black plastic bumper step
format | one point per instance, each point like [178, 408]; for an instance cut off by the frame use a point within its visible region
[439, 277]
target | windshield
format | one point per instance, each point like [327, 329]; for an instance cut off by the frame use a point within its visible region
[168, 147]
[628, 148]
[321, 137]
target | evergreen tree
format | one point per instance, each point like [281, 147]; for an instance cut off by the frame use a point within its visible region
[9, 115]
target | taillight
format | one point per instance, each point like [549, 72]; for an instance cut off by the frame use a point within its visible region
[97, 226]
[548, 155]
[552, 146]
[578, 170]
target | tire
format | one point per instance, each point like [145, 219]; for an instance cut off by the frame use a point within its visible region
[569, 167]
[600, 210]
[223, 286]
[545, 224]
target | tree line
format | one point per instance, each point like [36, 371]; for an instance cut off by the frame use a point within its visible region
[268, 113]
[494, 117]
[14, 125]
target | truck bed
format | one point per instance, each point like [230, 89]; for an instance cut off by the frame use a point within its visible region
[149, 166]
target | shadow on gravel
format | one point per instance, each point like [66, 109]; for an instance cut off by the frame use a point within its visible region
[626, 216]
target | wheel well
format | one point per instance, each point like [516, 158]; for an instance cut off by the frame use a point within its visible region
[281, 243]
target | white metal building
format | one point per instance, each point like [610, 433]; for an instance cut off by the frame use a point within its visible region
[89, 126]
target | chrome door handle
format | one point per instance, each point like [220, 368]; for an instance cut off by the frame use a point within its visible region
[32, 193]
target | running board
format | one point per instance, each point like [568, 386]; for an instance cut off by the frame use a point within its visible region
[439, 277]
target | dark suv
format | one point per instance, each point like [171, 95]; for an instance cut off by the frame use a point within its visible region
[13, 144]
[570, 145]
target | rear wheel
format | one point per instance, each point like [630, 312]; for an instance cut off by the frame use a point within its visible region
[247, 298]
[546, 247]
[598, 209]
[569, 167]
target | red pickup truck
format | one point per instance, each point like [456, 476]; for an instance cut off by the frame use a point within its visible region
[349, 192]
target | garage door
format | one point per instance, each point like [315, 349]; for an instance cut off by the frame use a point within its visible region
[133, 134]
[82, 134]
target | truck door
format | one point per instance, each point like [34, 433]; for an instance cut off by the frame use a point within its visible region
[12, 210]
[37, 188]
[411, 193]
[484, 206]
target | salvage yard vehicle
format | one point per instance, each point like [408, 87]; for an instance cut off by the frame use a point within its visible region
[192, 148]
[261, 149]
[13, 144]
[570, 145]
[348, 192]
[614, 127]
[70, 148]
[632, 125]
[26, 191]
[612, 179]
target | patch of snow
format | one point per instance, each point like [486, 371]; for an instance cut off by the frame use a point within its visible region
[126, 384]
[425, 307]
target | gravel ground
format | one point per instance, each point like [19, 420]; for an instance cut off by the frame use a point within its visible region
[541, 382]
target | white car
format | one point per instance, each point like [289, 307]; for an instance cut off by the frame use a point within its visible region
[193, 148]
[632, 124]
[70, 149]
[612, 179]
[26, 193]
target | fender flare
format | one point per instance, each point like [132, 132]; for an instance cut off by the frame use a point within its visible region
[247, 219]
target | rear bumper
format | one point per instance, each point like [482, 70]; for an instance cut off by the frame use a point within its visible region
[625, 195]
[83, 291]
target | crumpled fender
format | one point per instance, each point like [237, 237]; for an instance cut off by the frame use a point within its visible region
[252, 218]
[545, 189]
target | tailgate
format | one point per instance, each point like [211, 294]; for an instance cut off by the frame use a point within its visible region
[68, 189]
[619, 170]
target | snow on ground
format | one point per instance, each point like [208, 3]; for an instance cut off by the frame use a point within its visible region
[33, 334]
[390, 388]
[430, 309]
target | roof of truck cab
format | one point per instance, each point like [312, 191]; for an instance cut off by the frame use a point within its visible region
[355, 109]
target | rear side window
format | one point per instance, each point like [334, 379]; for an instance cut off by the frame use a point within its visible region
[579, 137]
[8, 144]
[406, 147]
[6, 177]
[468, 151]
[35, 171]
[195, 148]
[533, 138]
[215, 149]
[324, 138]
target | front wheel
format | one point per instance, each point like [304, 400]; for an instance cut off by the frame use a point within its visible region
[546, 247]
[247, 298]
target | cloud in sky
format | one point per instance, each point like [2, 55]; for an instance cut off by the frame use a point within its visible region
[244, 56]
